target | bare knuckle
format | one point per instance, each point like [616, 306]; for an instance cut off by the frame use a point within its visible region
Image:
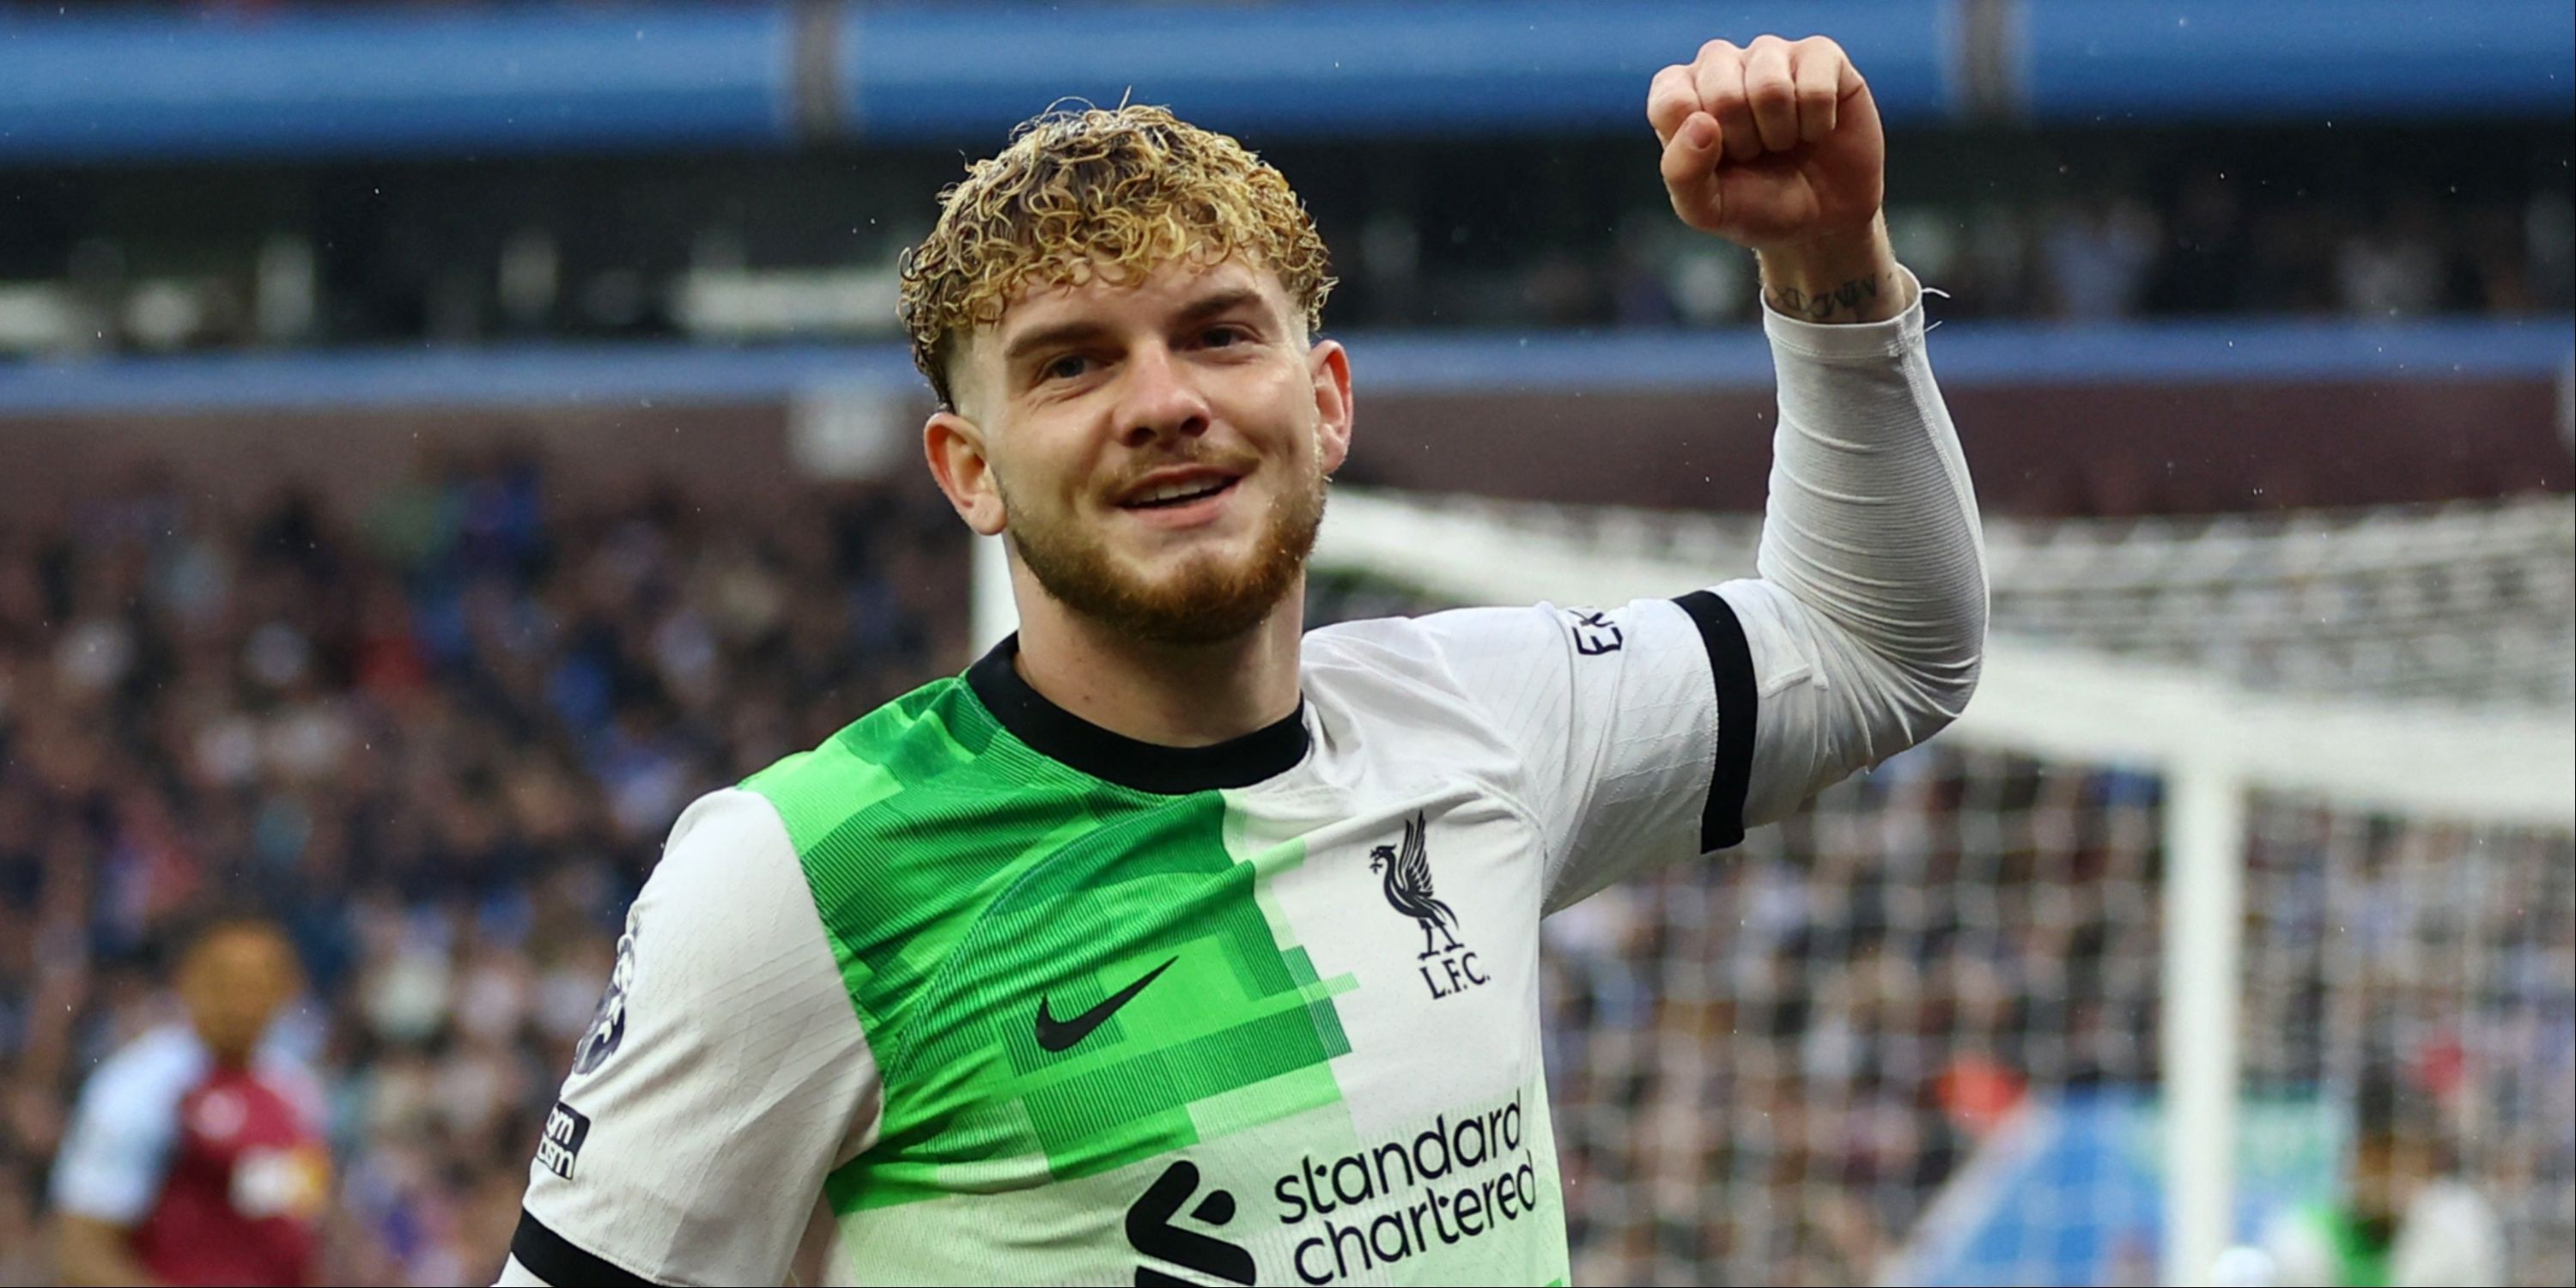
[1716, 49]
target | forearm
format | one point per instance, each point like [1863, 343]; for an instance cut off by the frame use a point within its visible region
[1837, 279]
[1872, 562]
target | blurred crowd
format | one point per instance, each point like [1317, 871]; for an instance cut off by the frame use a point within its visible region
[2444, 956]
[804, 247]
[1765, 1070]
[1766, 1067]
[442, 742]
[2217, 248]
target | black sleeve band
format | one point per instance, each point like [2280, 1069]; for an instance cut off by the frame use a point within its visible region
[558, 1261]
[1730, 665]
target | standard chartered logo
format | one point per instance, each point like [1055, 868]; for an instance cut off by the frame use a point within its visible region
[1151, 1232]
[1462, 1177]
[1458, 1179]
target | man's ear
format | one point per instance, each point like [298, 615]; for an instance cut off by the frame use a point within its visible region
[955, 446]
[1330, 367]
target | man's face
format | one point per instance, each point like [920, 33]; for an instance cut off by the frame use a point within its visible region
[1156, 450]
[233, 981]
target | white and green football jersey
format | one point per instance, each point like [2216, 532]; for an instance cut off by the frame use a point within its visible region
[980, 992]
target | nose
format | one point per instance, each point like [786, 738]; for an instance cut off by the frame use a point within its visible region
[1161, 401]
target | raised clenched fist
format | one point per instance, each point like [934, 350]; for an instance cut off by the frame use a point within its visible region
[1770, 146]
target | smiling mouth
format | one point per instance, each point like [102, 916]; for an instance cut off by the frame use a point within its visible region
[1175, 501]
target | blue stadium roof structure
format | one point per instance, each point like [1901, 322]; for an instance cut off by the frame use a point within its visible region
[79, 86]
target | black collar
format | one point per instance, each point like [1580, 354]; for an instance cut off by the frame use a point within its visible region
[1059, 734]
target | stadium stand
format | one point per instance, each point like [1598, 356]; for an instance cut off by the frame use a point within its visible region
[442, 739]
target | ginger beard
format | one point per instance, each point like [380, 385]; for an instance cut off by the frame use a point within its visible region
[1208, 599]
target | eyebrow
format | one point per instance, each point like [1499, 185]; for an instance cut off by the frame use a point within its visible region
[1222, 302]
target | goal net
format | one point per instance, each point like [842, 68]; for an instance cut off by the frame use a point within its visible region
[2247, 811]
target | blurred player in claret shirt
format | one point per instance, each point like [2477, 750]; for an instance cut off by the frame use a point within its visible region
[196, 1154]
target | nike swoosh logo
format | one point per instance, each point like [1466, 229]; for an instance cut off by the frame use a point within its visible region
[1057, 1035]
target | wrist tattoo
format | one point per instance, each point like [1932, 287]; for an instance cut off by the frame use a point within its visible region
[1820, 306]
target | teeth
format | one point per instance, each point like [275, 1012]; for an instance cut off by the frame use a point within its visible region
[1175, 491]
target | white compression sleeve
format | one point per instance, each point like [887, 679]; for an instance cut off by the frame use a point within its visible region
[1867, 625]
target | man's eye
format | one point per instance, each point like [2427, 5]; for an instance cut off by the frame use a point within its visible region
[1067, 367]
[1219, 337]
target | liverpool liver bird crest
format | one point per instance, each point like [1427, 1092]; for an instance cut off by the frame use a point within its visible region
[1408, 886]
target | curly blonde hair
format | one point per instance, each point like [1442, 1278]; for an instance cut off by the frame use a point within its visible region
[1108, 192]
